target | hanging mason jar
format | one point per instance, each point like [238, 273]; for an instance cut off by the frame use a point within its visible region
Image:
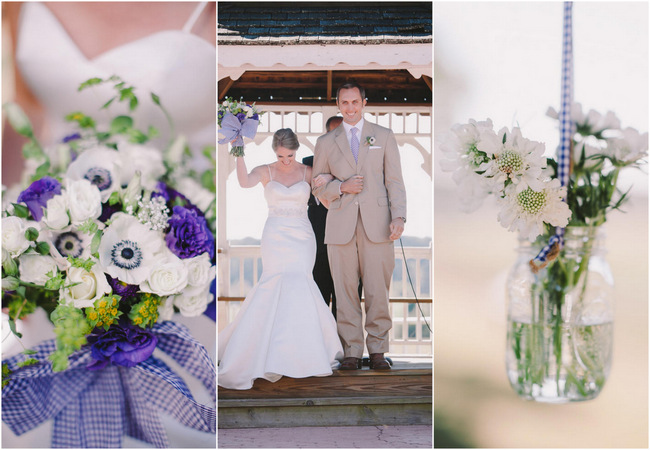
[560, 321]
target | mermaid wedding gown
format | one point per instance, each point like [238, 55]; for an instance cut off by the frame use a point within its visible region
[178, 66]
[284, 327]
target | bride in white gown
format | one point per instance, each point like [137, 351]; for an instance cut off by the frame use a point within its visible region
[166, 48]
[284, 327]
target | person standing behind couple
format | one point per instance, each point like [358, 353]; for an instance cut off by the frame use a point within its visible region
[367, 212]
[317, 216]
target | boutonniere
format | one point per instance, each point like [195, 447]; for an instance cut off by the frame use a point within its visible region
[370, 140]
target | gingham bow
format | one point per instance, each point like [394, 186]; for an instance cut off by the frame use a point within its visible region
[95, 408]
[233, 129]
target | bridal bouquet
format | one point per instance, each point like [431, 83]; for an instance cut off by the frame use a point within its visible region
[237, 120]
[111, 237]
[560, 310]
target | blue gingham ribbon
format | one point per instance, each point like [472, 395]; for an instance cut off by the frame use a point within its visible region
[94, 409]
[567, 128]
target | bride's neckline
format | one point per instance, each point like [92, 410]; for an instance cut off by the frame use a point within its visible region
[284, 185]
[181, 32]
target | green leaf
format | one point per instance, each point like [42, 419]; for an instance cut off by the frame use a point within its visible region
[5, 374]
[20, 210]
[121, 124]
[133, 103]
[41, 171]
[155, 99]
[94, 245]
[29, 352]
[55, 282]
[28, 362]
[108, 103]
[18, 119]
[32, 150]
[114, 199]
[90, 82]
[207, 181]
[12, 327]
[43, 248]
[86, 264]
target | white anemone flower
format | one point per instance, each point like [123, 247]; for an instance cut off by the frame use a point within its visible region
[630, 147]
[463, 159]
[528, 210]
[99, 165]
[514, 158]
[128, 249]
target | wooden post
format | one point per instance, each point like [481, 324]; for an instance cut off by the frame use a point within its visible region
[329, 85]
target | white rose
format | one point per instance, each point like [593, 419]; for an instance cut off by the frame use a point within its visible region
[167, 278]
[56, 212]
[84, 200]
[34, 268]
[166, 309]
[198, 268]
[200, 197]
[13, 235]
[193, 301]
[92, 286]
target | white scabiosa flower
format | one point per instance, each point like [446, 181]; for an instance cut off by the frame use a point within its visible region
[88, 287]
[462, 158]
[514, 158]
[99, 165]
[629, 147]
[84, 201]
[69, 242]
[528, 210]
[128, 249]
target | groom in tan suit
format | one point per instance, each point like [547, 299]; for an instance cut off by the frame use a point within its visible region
[367, 213]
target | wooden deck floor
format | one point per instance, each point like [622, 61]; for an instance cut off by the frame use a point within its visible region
[400, 396]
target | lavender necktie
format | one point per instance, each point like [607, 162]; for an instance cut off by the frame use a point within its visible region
[354, 144]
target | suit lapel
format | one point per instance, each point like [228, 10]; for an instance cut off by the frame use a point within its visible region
[363, 148]
[344, 146]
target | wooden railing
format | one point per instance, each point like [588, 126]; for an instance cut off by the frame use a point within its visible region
[240, 267]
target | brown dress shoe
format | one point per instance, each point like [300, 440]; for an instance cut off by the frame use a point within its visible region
[350, 363]
[378, 362]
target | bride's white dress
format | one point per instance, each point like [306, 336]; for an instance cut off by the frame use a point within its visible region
[284, 327]
[180, 68]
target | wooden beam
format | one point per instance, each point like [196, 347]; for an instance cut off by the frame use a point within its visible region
[329, 85]
[427, 80]
[225, 90]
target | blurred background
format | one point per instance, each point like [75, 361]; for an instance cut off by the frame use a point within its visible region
[503, 61]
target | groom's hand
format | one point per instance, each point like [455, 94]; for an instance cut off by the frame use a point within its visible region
[352, 185]
[396, 228]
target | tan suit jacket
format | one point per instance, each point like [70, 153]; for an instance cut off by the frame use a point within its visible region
[383, 197]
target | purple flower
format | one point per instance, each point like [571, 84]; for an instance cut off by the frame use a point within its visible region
[189, 235]
[241, 116]
[108, 210]
[71, 137]
[121, 288]
[123, 344]
[37, 195]
[174, 198]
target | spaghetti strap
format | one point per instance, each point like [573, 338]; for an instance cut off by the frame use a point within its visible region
[268, 166]
[304, 174]
[187, 28]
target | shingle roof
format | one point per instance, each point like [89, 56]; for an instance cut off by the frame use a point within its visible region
[281, 23]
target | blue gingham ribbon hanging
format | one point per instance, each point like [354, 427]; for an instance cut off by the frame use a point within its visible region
[94, 409]
[567, 129]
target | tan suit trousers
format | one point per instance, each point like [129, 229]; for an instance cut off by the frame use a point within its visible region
[373, 263]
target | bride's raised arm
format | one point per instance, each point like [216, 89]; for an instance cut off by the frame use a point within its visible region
[248, 180]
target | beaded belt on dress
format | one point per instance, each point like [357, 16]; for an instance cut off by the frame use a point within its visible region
[288, 211]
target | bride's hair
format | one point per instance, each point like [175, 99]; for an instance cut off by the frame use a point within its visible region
[285, 137]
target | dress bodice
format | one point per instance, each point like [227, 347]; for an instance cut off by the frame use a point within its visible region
[287, 201]
[176, 65]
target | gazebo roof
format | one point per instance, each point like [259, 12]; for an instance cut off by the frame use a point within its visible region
[295, 23]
